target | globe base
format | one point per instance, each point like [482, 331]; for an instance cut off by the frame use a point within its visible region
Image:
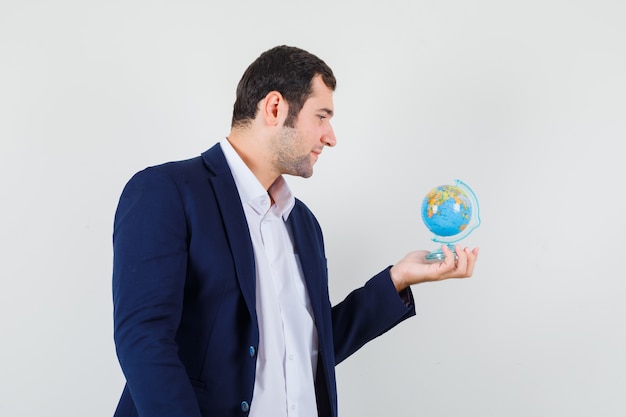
[438, 255]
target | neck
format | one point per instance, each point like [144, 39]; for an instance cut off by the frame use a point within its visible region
[255, 157]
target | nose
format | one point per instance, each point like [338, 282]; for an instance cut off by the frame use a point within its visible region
[329, 138]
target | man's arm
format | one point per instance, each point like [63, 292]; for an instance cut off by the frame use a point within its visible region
[367, 313]
[386, 299]
[149, 269]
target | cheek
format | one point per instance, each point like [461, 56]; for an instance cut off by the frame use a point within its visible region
[306, 138]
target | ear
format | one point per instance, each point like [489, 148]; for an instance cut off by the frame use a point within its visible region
[274, 108]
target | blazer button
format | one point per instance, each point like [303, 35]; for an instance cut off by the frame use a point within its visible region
[252, 351]
[245, 407]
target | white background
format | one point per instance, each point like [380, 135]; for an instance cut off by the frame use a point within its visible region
[523, 100]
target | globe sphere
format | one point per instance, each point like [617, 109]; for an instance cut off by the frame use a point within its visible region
[447, 210]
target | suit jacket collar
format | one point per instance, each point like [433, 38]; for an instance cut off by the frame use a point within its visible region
[235, 223]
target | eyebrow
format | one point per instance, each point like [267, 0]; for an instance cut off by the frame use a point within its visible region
[327, 111]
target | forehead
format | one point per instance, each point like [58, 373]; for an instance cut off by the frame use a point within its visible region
[321, 96]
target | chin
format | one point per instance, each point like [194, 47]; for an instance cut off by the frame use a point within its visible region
[303, 174]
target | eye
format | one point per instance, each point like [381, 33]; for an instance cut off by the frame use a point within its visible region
[321, 117]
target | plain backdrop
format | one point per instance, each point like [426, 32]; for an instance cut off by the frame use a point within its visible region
[525, 101]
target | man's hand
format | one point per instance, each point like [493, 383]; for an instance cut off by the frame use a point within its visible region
[415, 269]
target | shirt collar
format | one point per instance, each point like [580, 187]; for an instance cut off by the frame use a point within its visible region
[251, 191]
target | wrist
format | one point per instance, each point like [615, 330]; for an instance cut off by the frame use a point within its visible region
[396, 277]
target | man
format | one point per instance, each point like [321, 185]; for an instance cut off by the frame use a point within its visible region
[220, 285]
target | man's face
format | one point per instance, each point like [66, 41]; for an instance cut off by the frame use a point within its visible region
[297, 148]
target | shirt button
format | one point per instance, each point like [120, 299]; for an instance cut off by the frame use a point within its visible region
[245, 407]
[252, 351]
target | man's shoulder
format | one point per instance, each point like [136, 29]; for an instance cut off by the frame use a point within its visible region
[192, 165]
[172, 170]
[178, 165]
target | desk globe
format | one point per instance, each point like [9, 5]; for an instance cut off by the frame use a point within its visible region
[450, 212]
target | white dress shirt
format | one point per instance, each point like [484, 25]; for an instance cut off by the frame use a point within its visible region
[288, 346]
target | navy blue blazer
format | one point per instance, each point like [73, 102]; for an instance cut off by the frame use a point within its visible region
[185, 325]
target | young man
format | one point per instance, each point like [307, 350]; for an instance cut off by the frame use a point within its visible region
[220, 284]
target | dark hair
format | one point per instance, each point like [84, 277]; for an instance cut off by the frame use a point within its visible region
[286, 69]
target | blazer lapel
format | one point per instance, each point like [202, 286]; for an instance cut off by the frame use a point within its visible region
[309, 248]
[235, 223]
[309, 245]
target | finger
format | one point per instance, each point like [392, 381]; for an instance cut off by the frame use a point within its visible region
[472, 256]
[449, 261]
[461, 262]
[469, 259]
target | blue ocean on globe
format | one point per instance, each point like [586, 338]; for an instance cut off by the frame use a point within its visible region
[446, 210]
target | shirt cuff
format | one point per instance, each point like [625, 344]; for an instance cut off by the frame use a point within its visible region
[406, 296]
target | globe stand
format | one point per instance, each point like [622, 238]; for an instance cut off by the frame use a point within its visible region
[450, 212]
[438, 255]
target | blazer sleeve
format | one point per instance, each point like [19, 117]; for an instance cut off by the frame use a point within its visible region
[149, 269]
[367, 313]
